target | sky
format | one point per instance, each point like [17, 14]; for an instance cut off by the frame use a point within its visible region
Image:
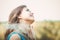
[42, 9]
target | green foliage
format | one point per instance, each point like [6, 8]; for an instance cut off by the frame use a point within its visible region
[47, 30]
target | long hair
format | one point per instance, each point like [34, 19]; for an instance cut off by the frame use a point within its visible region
[13, 18]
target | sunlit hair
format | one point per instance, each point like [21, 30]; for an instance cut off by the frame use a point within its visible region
[13, 17]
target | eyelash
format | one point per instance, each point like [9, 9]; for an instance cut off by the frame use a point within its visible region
[27, 10]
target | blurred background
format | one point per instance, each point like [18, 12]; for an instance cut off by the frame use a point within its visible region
[46, 13]
[42, 9]
[44, 30]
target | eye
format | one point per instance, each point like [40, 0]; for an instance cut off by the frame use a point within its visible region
[27, 10]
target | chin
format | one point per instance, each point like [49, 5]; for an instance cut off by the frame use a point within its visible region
[31, 20]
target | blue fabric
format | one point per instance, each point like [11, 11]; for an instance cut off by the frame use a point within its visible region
[21, 36]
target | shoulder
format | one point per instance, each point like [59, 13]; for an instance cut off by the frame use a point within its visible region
[15, 36]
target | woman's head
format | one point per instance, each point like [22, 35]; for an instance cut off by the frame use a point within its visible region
[21, 12]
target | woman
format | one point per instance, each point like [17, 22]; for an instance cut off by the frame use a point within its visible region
[20, 20]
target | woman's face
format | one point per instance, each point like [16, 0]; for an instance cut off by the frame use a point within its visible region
[26, 15]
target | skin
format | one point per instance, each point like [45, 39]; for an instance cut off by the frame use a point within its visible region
[15, 37]
[26, 16]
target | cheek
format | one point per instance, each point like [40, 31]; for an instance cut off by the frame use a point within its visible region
[25, 14]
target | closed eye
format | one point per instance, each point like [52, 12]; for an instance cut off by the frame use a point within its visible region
[27, 10]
